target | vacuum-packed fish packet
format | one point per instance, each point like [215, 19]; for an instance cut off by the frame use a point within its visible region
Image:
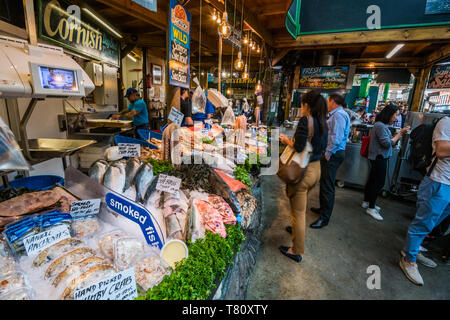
[127, 250]
[76, 270]
[106, 242]
[150, 270]
[56, 250]
[68, 259]
[87, 227]
[7, 266]
[13, 281]
[23, 293]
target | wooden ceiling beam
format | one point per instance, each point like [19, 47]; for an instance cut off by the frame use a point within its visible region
[438, 55]
[420, 48]
[441, 33]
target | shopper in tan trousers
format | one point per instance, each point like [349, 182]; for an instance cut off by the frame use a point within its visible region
[313, 105]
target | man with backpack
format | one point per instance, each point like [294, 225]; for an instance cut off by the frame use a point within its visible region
[433, 200]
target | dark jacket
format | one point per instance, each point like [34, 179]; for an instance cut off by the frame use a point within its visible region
[318, 141]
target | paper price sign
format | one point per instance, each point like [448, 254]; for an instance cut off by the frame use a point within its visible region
[168, 184]
[84, 208]
[176, 116]
[120, 286]
[37, 243]
[130, 150]
[205, 132]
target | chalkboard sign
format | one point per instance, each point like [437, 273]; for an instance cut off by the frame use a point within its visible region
[439, 77]
[323, 77]
[328, 16]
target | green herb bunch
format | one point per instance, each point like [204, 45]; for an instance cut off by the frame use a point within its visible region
[193, 278]
[242, 174]
[160, 166]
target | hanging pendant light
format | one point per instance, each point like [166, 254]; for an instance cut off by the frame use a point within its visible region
[224, 27]
[258, 87]
[258, 50]
[214, 16]
[245, 73]
[239, 63]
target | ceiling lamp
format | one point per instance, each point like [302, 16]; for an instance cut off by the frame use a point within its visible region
[224, 74]
[229, 91]
[224, 28]
[258, 50]
[245, 73]
[214, 16]
[239, 63]
[219, 20]
[258, 87]
[245, 40]
[395, 50]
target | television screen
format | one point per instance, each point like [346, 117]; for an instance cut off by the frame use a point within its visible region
[58, 79]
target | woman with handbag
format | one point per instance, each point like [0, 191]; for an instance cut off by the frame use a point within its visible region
[312, 135]
[380, 150]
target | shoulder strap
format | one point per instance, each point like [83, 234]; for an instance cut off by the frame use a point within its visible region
[310, 128]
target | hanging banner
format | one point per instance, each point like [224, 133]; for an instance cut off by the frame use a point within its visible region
[179, 49]
[323, 77]
[58, 23]
[149, 4]
[439, 77]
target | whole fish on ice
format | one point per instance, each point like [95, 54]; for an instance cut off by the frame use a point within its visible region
[115, 177]
[142, 180]
[131, 168]
[97, 170]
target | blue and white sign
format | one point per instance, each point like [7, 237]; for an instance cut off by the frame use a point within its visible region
[138, 214]
[149, 4]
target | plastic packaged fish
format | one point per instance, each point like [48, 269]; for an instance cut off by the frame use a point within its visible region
[56, 250]
[7, 266]
[149, 271]
[68, 259]
[86, 227]
[93, 275]
[127, 251]
[23, 293]
[13, 281]
[106, 242]
[76, 270]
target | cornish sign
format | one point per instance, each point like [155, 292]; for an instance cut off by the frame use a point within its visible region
[74, 30]
[179, 49]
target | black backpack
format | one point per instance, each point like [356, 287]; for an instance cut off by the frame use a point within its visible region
[421, 151]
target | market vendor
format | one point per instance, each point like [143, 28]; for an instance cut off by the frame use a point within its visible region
[186, 108]
[137, 110]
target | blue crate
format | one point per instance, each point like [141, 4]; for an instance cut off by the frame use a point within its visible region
[122, 139]
[149, 134]
[39, 183]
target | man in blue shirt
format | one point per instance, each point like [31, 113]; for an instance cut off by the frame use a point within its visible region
[338, 132]
[209, 111]
[137, 110]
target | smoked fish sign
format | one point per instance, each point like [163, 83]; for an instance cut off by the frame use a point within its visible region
[80, 34]
[179, 48]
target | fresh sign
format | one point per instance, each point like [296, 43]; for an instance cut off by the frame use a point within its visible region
[37, 243]
[121, 286]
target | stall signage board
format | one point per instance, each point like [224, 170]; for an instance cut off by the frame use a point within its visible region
[179, 48]
[235, 38]
[37, 243]
[324, 77]
[130, 150]
[84, 208]
[439, 77]
[120, 286]
[86, 35]
[176, 116]
[168, 184]
[138, 214]
[149, 4]
[363, 15]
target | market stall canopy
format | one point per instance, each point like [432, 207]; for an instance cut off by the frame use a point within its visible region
[39, 71]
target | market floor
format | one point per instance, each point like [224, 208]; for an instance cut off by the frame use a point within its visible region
[337, 257]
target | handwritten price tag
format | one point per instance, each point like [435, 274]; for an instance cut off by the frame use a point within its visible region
[176, 116]
[168, 184]
[130, 150]
[37, 243]
[84, 208]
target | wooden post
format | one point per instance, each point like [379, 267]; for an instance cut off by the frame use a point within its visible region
[220, 64]
[421, 84]
[30, 22]
[288, 97]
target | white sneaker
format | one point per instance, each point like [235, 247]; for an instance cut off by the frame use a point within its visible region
[427, 262]
[374, 213]
[411, 272]
[365, 205]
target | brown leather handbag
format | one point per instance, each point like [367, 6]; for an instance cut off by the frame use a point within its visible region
[293, 164]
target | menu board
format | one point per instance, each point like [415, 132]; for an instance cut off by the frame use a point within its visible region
[179, 49]
[323, 77]
[439, 77]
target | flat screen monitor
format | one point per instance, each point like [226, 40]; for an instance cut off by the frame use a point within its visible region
[56, 81]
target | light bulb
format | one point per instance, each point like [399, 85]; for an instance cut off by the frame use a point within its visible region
[245, 40]
[245, 73]
[224, 28]
[214, 17]
[239, 63]
[258, 86]
[258, 50]
[219, 20]
[224, 74]
[229, 91]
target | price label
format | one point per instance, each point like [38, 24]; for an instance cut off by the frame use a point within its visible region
[176, 116]
[130, 150]
[37, 243]
[120, 286]
[84, 208]
[168, 184]
[205, 132]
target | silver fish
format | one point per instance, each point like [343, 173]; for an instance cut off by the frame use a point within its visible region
[115, 177]
[97, 170]
[142, 180]
[131, 169]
